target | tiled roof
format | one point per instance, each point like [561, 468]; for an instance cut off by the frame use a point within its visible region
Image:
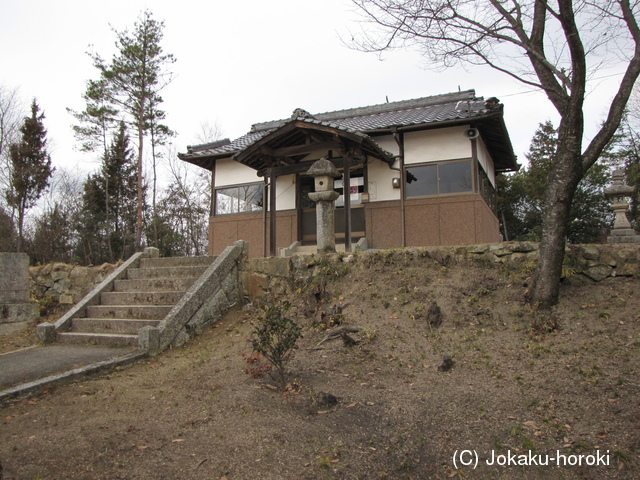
[300, 117]
[434, 109]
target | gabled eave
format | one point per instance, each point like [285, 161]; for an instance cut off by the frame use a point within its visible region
[291, 142]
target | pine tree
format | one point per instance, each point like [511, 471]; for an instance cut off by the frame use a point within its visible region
[136, 75]
[98, 118]
[30, 168]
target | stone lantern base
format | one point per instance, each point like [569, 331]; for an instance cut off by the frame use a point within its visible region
[623, 235]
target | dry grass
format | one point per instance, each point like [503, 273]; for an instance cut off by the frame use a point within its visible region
[520, 381]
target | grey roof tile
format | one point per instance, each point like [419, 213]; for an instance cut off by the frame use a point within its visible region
[362, 120]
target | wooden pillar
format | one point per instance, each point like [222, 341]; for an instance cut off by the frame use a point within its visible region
[399, 137]
[212, 210]
[265, 204]
[272, 213]
[403, 188]
[346, 188]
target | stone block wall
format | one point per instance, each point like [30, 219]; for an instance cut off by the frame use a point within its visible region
[69, 284]
[597, 262]
[66, 283]
[14, 289]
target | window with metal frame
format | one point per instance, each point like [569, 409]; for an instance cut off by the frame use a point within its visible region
[439, 179]
[239, 199]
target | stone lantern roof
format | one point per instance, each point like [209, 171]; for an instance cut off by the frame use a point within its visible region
[323, 167]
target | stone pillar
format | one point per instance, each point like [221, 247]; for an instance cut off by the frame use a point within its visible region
[618, 192]
[151, 252]
[324, 173]
[14, 289]
[325, 220]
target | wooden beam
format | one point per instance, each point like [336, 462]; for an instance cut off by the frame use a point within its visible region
[304, 166]
[302, 149]
[267, 151]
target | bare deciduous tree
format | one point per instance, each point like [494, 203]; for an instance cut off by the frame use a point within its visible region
[209, 132]
[11, 115]
[554, 45]
[185, 205]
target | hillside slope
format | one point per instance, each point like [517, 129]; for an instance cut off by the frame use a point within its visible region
[520, 382]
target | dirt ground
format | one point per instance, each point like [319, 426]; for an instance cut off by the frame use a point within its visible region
[14, 336]
[523, 388]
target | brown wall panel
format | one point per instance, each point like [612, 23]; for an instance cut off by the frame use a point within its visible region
[383, 224]
[454, 220]
[487, 225]
[226, 229]
[457, 223]
[422, 221]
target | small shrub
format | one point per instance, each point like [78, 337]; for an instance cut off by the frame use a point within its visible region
[257, 365]
[275, 336]
[544, 323]
[47, 306]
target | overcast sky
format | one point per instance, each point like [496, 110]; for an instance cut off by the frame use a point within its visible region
[238, 63]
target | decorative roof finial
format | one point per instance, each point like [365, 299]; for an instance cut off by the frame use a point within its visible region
[301, 113]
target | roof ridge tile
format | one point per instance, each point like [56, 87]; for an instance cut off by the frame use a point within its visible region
[400, 105]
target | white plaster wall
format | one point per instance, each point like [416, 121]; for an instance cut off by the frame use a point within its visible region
[230, 172]
[486, 162]
[286, 192]
[380, 178]
[388, 143]
[380, 175]
[436, 145]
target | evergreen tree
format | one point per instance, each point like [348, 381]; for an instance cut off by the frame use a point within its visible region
[628, 158]
[7, 232]
[522, 195]
[120, 173]
[53, 238]
[136, 75]
[109, 205]
[30, 168]
[97, 120]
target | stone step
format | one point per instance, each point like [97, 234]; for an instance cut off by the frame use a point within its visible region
[313, 249]
[165, 262]
[140, 298]
[153, 285]
[137, 312]
[110, 326]
[165, 272]
[101, 339]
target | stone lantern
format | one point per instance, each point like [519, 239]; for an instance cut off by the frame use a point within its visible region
[324, 173]
[618, 192]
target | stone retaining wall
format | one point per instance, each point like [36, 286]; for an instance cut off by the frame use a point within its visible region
[69, 283]
[66, 283]
[595, 261]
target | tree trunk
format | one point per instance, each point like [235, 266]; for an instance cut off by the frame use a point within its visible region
[562, 183]
[106, 193]
[139, 218]
[20, 228]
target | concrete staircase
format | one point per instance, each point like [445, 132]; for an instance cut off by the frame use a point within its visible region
[143, 298]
